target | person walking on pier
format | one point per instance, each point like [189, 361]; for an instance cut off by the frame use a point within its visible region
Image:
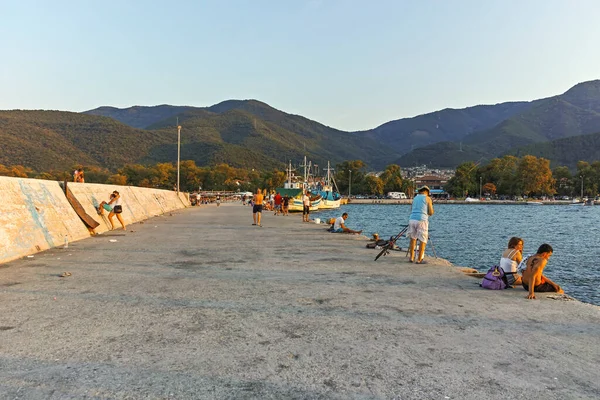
[418, 223]
[257, 208]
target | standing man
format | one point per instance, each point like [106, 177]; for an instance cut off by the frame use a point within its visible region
[218, 199]
[257, 208]
[278, 200]
[305, 207]
[418, 223]
[533, 280]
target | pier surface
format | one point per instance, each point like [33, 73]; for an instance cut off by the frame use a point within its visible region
[200, 304]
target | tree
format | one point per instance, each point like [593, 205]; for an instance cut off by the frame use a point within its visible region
[535, 176]
[136, 174]
[502, 172]
[117, 179]
[392, 178]
[274, 179]
[464, 180]
[350, 170]
[17, 171]
[374, 184]
[563, 178]
[489, 188]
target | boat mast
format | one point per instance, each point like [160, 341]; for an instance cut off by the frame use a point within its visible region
[305, 177]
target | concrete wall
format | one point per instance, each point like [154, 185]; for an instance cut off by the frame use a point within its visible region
[138, 203]
[35, 214]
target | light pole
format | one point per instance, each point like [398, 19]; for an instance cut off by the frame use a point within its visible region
[178, 153]
[581, 187]
[480, 178]
[349, 182]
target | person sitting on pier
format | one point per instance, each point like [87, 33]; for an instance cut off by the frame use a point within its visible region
[532, 269]
[511, 257]
[340, 227]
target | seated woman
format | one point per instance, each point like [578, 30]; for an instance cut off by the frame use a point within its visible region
[511, 257]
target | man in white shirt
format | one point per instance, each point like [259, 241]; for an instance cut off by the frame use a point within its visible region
[305, 207]
[340, 227]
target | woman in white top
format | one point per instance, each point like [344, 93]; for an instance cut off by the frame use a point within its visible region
[511, 257]
[117, 209]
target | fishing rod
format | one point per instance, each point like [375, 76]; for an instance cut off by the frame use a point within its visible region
[390, 244]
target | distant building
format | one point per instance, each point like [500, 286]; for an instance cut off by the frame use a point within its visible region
[435, 183]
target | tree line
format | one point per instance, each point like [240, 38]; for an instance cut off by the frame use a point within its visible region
[508, 175]
[220, 177]
[527, 175]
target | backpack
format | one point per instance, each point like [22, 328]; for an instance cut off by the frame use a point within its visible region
[494, 279]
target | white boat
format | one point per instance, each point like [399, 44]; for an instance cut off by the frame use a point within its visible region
[294, 191]
[471, 200]
[330, 199]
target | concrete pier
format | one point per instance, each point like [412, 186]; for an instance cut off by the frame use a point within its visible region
[200, 304]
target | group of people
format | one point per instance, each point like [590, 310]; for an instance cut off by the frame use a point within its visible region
[280, 204]
[78, 176]
[276, 202]
[527, 271]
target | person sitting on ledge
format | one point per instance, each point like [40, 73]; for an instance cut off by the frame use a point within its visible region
[340, 227]
[533, 280]
[511, 257]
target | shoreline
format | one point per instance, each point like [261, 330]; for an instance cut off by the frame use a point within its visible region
[200, 304]
[482, 202]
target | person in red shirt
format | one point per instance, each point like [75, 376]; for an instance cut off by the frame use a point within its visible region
[278, 200]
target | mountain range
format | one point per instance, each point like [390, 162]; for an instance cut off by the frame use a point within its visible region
[252, 134]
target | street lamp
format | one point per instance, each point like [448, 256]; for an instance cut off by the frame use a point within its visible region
[178, 153]
[581, 187]
[349, 182]
[480, 178]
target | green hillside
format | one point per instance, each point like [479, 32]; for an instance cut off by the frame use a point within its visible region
[47, 140]
[565, 151]
[262, 135]
[442, 155]
[574, 113]
[243, 134]
[448, 125]
[139, 116]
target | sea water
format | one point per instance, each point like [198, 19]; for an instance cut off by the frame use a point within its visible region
[474, 235]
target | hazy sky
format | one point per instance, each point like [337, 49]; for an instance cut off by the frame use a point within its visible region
[352, 65]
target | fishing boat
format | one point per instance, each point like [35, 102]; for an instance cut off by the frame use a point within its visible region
[330, 199]
[294, 191]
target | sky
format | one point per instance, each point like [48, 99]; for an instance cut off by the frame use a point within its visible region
[351, 65]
